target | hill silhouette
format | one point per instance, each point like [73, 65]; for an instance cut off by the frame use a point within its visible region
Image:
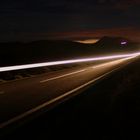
[14, 53]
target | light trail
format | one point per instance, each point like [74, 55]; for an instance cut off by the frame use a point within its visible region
[107, 64]
[72, 61]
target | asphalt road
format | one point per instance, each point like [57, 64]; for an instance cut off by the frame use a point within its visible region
[21, 98]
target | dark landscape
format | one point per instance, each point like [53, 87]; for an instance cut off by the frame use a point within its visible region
[70, 69]
[110, 109]
[44, 51]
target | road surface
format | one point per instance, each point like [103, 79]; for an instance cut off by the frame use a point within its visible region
[19, 99]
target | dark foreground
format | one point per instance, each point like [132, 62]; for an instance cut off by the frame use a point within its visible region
[108, 110]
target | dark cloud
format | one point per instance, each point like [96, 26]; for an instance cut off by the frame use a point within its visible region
[52, 6]
[125, 4]
[127, 32]
[35, 16]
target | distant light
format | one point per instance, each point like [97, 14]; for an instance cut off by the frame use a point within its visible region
[123, 42]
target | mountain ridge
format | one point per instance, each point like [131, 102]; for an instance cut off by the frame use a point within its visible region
[48, 50]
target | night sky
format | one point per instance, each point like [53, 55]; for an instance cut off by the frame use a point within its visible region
[23, 20]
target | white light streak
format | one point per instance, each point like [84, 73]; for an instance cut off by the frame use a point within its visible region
[54, 63]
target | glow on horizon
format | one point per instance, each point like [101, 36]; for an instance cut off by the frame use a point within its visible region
[72, 61]
[88, 41]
